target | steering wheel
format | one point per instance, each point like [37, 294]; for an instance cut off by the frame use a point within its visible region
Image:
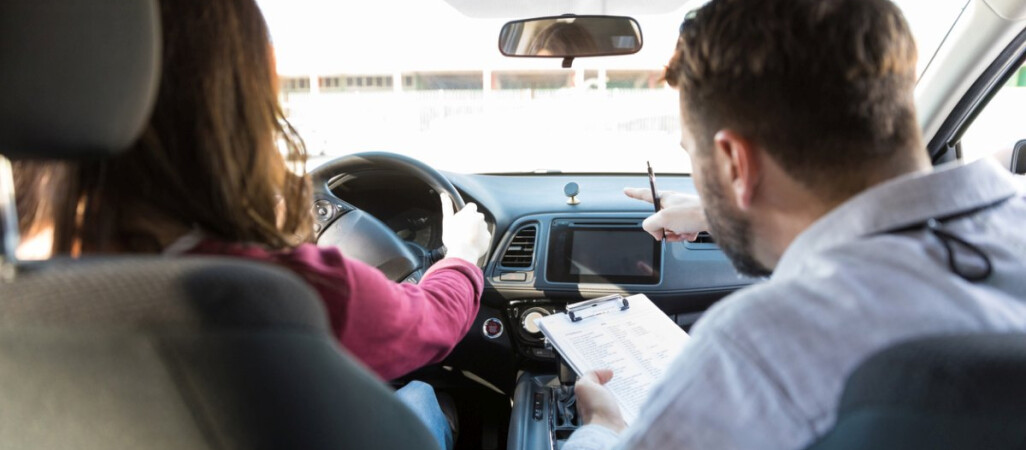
[362, 236]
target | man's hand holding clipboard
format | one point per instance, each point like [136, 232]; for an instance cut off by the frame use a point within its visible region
[599, 406]
[620, 346]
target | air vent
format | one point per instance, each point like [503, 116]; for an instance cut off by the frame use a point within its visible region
[520, 251]
[704, 238]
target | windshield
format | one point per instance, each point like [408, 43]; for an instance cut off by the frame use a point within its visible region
[423, 79]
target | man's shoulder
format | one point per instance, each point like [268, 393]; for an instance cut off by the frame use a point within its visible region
[751, 305]
[874, 279]
[829, 284]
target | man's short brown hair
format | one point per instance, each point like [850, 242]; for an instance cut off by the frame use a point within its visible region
[825, 86]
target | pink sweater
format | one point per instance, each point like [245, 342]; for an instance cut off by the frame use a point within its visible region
[393, 328]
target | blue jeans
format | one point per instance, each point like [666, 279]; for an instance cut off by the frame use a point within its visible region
[420, 397]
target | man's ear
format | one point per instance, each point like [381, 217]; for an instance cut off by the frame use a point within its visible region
[738, 160]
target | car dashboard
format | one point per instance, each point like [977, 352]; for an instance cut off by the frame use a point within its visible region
[549, 252]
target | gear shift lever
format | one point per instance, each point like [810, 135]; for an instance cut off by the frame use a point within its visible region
[567, 377]
[563, 397]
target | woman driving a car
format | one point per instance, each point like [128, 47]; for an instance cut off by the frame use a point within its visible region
[211, 175]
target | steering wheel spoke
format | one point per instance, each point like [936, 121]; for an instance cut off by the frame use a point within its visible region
[414, 277]
[360, 235]
[326, 209]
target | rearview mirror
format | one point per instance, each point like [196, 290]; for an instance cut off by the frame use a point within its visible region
[570, 36]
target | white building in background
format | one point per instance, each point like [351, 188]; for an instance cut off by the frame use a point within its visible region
[431, 83]
[483, 80]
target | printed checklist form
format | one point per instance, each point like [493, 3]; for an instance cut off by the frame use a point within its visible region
[629, 335]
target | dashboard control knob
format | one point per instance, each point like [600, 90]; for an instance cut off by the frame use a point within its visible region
[528, 318]
[492, 328]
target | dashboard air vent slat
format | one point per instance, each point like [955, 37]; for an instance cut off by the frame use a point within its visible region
[520, 251]
[704, 238]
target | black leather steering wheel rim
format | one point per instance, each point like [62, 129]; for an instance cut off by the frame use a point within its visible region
[358, 234]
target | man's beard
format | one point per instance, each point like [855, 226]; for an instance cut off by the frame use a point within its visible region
[732, 231]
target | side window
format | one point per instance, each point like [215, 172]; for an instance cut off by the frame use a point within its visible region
[1001, 123]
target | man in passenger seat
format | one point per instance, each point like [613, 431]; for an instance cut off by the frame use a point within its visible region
[799, 119]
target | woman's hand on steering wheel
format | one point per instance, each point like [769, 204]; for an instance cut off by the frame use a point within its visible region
[464, 232]
[363, 237]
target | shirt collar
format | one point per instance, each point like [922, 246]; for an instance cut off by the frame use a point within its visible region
[185, 243]
[914, 198]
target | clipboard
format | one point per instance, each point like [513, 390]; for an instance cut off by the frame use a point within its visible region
[589, 308]
[629, 335]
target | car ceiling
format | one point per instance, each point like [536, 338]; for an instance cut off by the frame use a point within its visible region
[525, 8]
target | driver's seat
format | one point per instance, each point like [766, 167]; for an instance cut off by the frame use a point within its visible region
[161, 353]
[152, 352]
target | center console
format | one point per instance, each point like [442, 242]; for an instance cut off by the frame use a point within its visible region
[569, 252]
[550, 260]
[554, 257]
[544, 413]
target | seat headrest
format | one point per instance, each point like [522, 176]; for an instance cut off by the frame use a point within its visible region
[79, 77]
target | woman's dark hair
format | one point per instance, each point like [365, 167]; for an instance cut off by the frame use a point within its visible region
[34, 183]
[215, 154]
[563, 38]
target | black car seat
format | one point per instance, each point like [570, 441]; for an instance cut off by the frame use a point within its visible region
[1018, 165]
[152, 352]
[941, 393]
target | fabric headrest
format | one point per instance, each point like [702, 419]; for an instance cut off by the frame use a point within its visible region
[79, 77]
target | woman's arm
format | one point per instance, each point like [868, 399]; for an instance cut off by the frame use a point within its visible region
[396, 328]
[392, 328]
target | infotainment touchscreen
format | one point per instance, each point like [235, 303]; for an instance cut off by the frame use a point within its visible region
[602, 252]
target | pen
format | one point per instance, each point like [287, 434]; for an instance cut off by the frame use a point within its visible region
[655, 196]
